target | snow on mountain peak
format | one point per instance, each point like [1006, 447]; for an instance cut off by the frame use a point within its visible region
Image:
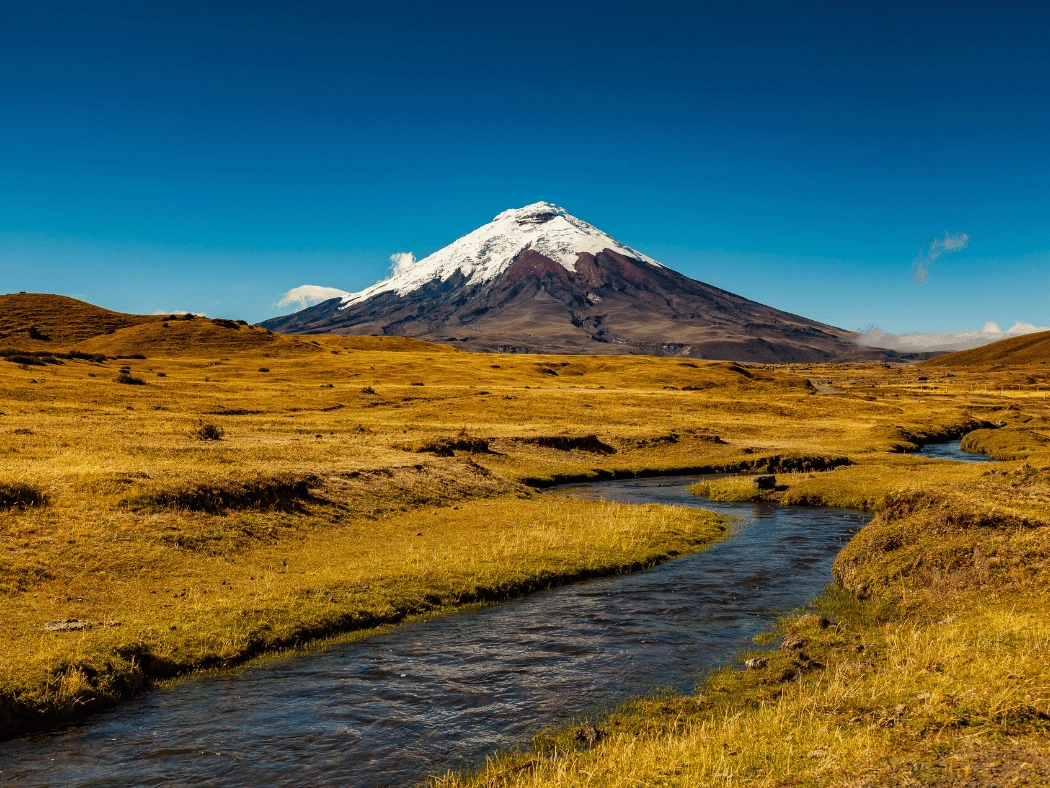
[490, 250]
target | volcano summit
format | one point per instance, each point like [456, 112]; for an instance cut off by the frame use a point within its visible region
[539, 280]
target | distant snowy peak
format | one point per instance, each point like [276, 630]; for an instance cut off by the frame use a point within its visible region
[490, 250]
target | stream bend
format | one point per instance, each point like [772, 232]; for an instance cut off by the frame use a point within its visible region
[444, 692]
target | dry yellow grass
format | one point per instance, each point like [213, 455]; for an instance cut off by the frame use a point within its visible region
[157, 610]
[360, 480]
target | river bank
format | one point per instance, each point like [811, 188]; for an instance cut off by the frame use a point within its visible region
[448, 691]
[924, 665]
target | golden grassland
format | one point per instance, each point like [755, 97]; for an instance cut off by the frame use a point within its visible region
[361, 480]
[932, 665]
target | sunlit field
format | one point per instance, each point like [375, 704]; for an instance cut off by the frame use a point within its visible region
[186, 494]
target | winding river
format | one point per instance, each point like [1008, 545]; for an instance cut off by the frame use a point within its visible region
[442, 693]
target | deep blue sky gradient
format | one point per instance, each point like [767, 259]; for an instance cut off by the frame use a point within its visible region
[210, 156]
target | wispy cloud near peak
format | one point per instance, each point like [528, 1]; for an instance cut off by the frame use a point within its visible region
[401, 262]
[304, 295]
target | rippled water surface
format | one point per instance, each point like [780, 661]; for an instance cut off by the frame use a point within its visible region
[952, 450]
[444, 692]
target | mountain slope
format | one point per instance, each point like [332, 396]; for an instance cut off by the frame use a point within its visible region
[537, 279]
[1027, 349]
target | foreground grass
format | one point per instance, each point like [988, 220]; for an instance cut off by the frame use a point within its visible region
[860, 703]
[358, 481]
[154, 620]
[932, 666]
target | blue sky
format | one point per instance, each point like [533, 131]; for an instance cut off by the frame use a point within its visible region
[211, 156]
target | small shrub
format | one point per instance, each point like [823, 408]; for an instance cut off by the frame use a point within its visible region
[130, 380]
[162, 374]
[207, 431]
[224, 323]
[96, 358]
[26, 361]
[264, 369]
[368, 390]
[136, 356]
[589, 443]
[276, 493]
[37, 334]
[20, 495]
[447, 447]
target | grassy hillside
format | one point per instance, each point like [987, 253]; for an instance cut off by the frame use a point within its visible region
[41, 321]
[232, 493]
[1029, 349]
[172, 336]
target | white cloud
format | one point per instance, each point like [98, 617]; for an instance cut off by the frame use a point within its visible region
[938, 246]
[304, 295]
[932, 341]
[401, 262]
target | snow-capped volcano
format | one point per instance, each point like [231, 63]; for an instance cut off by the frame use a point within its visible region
[490, 250]
[537, 279]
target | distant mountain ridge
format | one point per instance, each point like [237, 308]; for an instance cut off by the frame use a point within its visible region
[537, 279]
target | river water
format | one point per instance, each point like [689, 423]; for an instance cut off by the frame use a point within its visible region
[952, 450]
[444, 692]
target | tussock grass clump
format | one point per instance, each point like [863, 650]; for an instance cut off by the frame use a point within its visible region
[728, 489]
[31, 358]
[95, 358]
[589, 443]
[793, 463]
[1007, 443]
[208, 431]
[26, 361]
[20, 495]
[447, 447]
[280, 493]
[928, 539]
[129, 380]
